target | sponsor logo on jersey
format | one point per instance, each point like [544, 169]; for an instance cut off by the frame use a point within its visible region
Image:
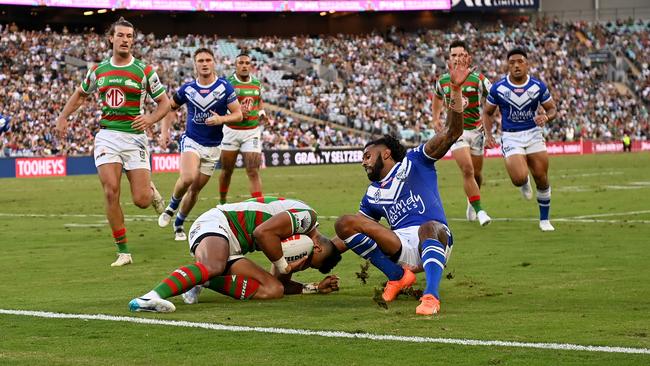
[115, 97]
[101, 80]
[131, 83]
[401, 209]
[470, 89]
[115, 81]
[518, 90]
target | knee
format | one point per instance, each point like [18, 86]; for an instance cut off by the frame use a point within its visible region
[270, 291]
[143, 200]
[468, 171]
[112, 192]
[252, 172]
[227, 170]
[345, 226]
[214, 268]
[431, 230]
[187, 179]
[519, 180]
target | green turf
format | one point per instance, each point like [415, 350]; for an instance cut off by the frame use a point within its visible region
[587, 283]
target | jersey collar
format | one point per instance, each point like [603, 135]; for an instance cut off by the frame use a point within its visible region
[206, 86]
[250, 79]
[389, 176]
[127, 65]
[518, 85]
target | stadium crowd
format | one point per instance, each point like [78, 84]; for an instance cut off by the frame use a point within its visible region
[374, 83]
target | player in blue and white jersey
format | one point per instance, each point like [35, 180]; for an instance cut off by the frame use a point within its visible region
[404, 191]
[4, 124]
[518, 96]
[208, 100]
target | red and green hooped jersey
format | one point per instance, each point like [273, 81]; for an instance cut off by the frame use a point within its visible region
[249, 94]
[475, 87]
[244, 217]
[122, 91]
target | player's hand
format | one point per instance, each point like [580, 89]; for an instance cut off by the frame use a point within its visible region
[540, 119]
[163, 139]
[438, 126]
[460, 70]
[61, 127]
[329, 284]
[142, 122]
[490, 142]
[215, 120]
[297, 266]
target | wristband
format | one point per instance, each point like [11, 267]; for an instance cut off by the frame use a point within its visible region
[310, 288]
[281, 265]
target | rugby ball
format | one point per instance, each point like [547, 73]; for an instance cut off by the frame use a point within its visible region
[297, 247]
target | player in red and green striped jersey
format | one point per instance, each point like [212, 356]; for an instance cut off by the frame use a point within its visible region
[221, 237]
[123, 83]
[244, 136]
[468, 149]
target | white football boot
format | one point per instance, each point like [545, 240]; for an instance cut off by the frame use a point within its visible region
[158, 202]
[192, 296]
[179, 234]
[545, 225]
[166, 217]
[470, 214]
[152, 305]
[527, 190]
[122, 259]
[483, 218]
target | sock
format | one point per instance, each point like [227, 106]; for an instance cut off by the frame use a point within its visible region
[433, 261]
[544, 202]
[368, 249]
[174, 202]
[180, 220]
[475, 201]
[256, 194]
[182, 280]
[223, 193]
[120, 240]
[237, 287]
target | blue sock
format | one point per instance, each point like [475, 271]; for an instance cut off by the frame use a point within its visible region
[174, 202]
[433, 261]
[180, 219]
[544, 201]
[368, 249]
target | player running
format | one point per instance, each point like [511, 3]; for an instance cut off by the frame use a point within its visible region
[518, 97]
[468, 150]
[244, 136]
[211, 102]
[404, 191]
[221, 237]
[123, 83]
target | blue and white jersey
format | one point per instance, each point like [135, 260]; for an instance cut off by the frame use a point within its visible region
[408, 195]
[201, 99]
[518, 103]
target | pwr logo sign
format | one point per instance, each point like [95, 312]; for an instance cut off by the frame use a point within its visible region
[115, 97]
[41, 167]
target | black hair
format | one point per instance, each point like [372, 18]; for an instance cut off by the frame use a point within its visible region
[332, 259]
[243, 54]
[397, 150]
[516, 51]
[458, 43]
[120, 22]
[203, 50]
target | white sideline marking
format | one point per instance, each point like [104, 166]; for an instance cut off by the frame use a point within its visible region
[329, 334]
[612, 214]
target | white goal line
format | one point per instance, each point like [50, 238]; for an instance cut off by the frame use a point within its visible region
[329, 334]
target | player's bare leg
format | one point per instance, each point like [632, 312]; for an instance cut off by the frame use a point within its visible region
[187, 204]
[374, 242]
[471, 186]
[228, 160]
[538, 164]
[110, 175]
[252, 163]
[517, 168]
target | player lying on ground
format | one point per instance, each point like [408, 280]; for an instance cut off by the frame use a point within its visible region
[404, 191]
[221, 237]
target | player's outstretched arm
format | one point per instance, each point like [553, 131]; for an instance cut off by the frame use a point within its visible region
[328, 285]
[74, 102]
[438, 146]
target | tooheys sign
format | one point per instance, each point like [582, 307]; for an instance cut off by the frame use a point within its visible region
[492, 5]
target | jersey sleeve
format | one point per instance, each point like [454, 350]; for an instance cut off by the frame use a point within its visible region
[89, 83]
[417, 156]
[231, 94]
[486, 85]
[545, 94]
[368, 210]
[302, 220]
[154, 87]
[493, 96]
[180, 97]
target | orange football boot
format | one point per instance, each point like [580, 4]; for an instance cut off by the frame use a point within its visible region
[429, 305]
[393, 288]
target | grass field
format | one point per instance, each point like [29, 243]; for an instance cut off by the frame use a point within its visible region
[586, 284]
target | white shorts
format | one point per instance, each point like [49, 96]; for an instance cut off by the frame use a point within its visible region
[523, 142]
[410, 256]
[242, 140]
[473, 139]
[128, 149]
[209, 155]
[214, 222]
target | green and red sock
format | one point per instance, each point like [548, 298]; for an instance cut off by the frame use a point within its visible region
[475, 201]
[120, 240]
[182, 279]
[237, 287]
